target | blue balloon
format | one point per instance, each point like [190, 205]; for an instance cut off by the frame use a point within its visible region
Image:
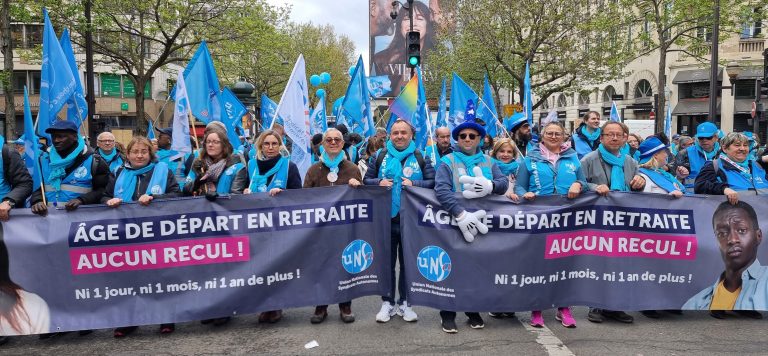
[320, 93]
[325, 77]
[352, 70]
[314, 80]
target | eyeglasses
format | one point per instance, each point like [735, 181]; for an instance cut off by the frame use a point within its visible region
[106, 141]
[553, 134]
[270, 144]
[470, 135]
[213, 142]
[613, 136]
[332, 140]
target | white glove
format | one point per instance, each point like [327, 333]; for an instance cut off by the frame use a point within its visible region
[470, 224]
[477, 186]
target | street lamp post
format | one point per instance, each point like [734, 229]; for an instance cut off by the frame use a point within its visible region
[713, 65]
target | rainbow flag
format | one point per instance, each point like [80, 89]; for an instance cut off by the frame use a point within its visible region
[405, 105]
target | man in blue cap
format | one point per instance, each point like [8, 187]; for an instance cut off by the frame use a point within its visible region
[396, 165]
[72, 174]
[19, 146]
[179, 163]
[520, 131]
[690, 161]
[469, 171]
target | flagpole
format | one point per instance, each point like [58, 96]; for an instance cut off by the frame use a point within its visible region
[192, 123]
[495, 118]
[39, 166]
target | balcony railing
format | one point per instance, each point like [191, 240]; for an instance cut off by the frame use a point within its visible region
[749, 45]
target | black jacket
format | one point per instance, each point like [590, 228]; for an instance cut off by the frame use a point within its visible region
[16, 174]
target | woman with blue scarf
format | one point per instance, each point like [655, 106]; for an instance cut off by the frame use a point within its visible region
[270, 172]
[586, 137]
[333, 170]
[217, 170]
[141, 179]
[732, 173]
[507, 157]
[653, 156]
[551, 168]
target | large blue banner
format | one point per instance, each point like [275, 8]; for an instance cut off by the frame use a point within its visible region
[191, 259]
[627, 251]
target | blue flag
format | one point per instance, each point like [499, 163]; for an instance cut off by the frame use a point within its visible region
[441, 108]
[356, 107]
[150, 130]
[379, 86]
[232, 111]
[527, 97]
[615, 112]
[203, 86]
[268, 112]
[57, 84]
[487, 110]
[31, 146]
[318, 121]
[460, 94]
[77, 107]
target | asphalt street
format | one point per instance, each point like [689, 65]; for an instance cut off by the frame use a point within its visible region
[693, 333]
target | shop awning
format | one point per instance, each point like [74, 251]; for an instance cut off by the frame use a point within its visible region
[695, 76]
[743, 106]
[693, 107]
[750, 73]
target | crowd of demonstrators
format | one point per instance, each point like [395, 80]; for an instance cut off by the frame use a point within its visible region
[395, 165]
[594, 160]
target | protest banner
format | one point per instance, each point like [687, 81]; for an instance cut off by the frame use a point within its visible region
[627, 251]
[191, 259]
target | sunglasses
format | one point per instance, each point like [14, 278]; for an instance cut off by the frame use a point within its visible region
[470, 135]
[332, 139]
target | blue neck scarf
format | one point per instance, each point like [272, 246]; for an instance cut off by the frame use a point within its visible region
[591, 137]
[394, 170]
[59, 165]
[332, 164]
[666, 181]
[617, 168]
[125, 185]
[742, 167]
[708, 155]
[163, 154]
[471, 162]
[507, 168]
[259, 181]
[108, 157]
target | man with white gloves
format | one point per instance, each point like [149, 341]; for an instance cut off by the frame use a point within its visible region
[469, 171]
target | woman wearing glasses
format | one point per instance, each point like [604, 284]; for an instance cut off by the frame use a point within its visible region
[551, 168]
[271, 173]
[332, 169]
[141, 179]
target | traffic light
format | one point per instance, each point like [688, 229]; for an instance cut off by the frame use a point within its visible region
[413, 49]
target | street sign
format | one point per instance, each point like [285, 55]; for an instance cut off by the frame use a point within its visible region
[652, 115]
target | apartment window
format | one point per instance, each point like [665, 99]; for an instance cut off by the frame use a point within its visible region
[643, 89]
[584, 98]
[26, 35]
[608, 94]
[562, 101]
[704, 33]
[120, 86]
[753, 26]
[745, 89]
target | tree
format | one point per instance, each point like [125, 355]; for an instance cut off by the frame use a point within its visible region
[141, 37]
[568, 42]
[683, 26]
[7, 50]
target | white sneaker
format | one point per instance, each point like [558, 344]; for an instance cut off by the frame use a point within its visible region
[407, 312]
[386, 312]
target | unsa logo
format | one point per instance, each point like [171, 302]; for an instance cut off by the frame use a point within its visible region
[434, 263]
[357, 256]
[156, 189]
[81, 172]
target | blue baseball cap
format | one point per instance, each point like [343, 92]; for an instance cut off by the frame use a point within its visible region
[516, 121]
[62, 125]
[650, 147]
[166, 131]
[706, 130]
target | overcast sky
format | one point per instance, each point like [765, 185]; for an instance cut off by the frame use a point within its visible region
[349, 17]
